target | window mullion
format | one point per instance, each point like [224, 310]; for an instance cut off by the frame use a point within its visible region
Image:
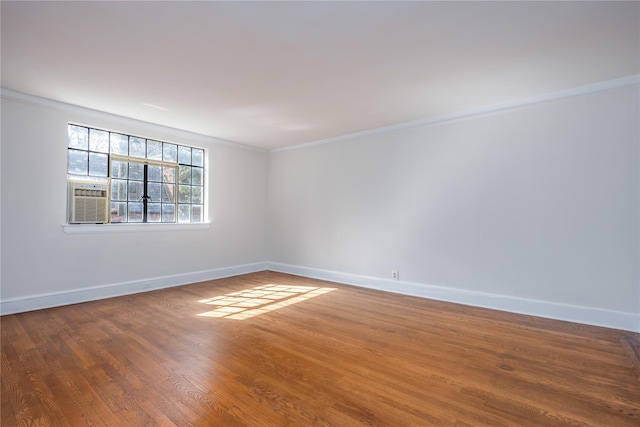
[145, 193]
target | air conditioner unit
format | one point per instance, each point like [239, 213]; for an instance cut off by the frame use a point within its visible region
[89, 203]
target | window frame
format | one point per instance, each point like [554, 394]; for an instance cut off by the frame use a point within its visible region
[146, 181]
[177, 152]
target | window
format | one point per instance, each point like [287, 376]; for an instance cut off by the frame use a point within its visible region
[150, 181]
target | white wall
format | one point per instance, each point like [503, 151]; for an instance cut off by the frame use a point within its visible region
[43, 265]
[532, 209]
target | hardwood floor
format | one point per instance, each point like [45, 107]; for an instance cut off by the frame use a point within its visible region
[302, 352]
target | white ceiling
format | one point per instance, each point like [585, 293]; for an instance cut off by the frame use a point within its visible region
[275, 74]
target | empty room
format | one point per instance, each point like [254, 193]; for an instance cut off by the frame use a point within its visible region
[320, 213]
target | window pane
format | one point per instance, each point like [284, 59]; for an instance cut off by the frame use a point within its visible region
[169, 174]
[135, 191]
[135, 212]
[118, 189]
[118, 212]
[78, 162]
[119, 144]
[155, 173]
[136, 171]
[184, 194]
[184, 155]
[137, 147]
[154, 190]
[196, 176]
[196, 213]
[184, 213]
[168, 213]
[99, 140]
[169, 152]
[119, 169]
[153, 212]
[78, 137]
[196, 195]
[184, 175]
[168, 193]
[197, 157]
[98, 164]
[154, 150]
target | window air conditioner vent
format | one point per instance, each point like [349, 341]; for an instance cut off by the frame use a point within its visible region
[89, 203]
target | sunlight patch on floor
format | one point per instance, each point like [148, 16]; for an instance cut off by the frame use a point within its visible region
[262, 299]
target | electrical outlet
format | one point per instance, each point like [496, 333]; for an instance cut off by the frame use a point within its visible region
[395, 275]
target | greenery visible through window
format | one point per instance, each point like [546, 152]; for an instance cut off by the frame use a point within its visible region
[150, 181]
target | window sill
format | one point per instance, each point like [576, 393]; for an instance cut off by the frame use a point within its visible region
[119, 228]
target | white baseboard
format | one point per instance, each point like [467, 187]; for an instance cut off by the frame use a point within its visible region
[551, 310]
[55, 299]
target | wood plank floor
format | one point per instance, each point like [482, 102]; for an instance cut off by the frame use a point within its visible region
[269, 349]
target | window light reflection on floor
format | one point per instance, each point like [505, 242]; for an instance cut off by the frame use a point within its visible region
[262, 299]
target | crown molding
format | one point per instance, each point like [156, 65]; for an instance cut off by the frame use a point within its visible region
[153, 127]
[622, 82]
[582, 90]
